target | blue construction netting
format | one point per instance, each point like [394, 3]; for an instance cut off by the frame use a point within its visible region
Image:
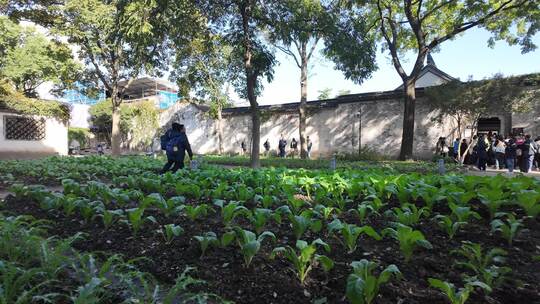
[75, 96]
[167, 99]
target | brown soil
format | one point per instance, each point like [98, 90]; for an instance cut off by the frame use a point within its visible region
[272, 281]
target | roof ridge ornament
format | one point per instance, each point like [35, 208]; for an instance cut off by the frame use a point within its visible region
[430, 60]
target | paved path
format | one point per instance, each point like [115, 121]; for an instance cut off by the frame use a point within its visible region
[495, 172]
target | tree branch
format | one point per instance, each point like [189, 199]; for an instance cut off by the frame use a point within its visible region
[100, 74]
[435, 8]
[313, 46]
[290, 53]
[392, 43]
[467, 25]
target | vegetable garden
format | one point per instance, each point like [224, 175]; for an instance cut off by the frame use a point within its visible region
[124, 234]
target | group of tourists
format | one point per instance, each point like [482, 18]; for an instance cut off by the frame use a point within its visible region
[282, 147]
[494, 150]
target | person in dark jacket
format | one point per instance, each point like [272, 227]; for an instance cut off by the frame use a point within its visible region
[176, 148]
[528, 150]
[266, 146]
[281, 146]
[481, 149]
[462, 150]
[294, 147]
[510, 154]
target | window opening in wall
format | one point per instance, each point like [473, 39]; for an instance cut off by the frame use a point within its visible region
[24, 128]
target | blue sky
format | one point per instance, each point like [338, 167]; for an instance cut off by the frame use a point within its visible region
[466, 55]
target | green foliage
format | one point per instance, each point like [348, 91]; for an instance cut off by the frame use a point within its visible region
[350, 233]
[136, 218]
[408, 239]
[170, 231]
[450, 226]
[304, 258]
[529, 200]
[206, 240]
[509, 227]
[301, 223]
[17, 102]
[363, 286]
[52, 60]
[409, 214]
[230, 211]
[138, 121]
[81, 135]
[456, 296]
[250, 243]
[196, 212]
[324, 93]
[484, 266]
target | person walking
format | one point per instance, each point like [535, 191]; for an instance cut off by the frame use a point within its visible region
[282, 145]
[266, 146]
[464, 153]
[537, 154]
[294, 147]
[243, 147]
[499, 150]
[176, 148]
[442, 148]
[481, 149]
[456, 148]
[309, 146]
[510, 154]
[528, 151]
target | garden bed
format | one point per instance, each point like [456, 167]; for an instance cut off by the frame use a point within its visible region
[303, 193]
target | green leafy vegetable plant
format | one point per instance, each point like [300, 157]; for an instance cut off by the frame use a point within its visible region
[304, 257]
[350, 233]
[250, 243]
[230, 210]
[456, 296]
[136, 218]
[449, 226]
[363, 286]
[509, 227]
[484, 265]
[170, 231]
[206, 240]
[408, 239]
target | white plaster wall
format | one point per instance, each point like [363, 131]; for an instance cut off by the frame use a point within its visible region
[79, 116]
[55, 142]
[332, 129]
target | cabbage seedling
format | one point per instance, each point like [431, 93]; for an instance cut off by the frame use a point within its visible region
[456, 296]
[408, 238]
[206, 240]
[170, 231]
[250, 243]
[304, 258]
[363, 286]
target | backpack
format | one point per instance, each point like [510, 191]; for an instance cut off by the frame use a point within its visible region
[164, 139]
[172, 144]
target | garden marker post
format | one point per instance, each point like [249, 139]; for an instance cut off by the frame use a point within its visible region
[333, 162]
[442, 169]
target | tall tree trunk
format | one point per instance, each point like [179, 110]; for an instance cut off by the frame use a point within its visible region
[303, 101]
[220, 129]
[246, 8]
[407, 139]
[116, 137]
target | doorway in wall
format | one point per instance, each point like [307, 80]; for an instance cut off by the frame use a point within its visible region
[492, 124]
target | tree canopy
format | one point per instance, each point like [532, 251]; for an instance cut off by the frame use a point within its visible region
[51, 60]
